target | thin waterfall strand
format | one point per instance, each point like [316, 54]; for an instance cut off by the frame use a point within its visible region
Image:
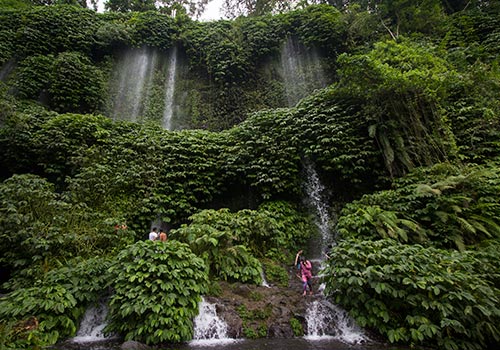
[134, 74]
[315, 198]
[170, 89]
[300, 70]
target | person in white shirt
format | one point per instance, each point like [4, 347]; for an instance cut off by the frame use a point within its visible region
[153, 235]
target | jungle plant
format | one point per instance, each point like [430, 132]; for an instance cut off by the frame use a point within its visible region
[401, 86]
[77, 86]
[43, 315]
[297, 328]
[371, 220]
[275, 273]
[38, 227]
[274, 230]
[157, 288]
[412, 294]
[42, 309]
[220, 250]
[445, 205]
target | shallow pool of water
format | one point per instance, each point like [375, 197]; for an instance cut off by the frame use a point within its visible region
[323, 343]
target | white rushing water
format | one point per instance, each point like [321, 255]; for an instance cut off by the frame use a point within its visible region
[209, 329]
[316, 200]
[301, 70]
[92, 325]
[133, 77]
[326, 320]
[170, 89]
[264, 281]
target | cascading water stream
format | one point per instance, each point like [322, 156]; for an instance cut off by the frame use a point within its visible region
[133, 78]
[326, 320]
[301, 70]
[318, 204]
[323, 318]
[209, 329]
[169, 90]
[92, 325]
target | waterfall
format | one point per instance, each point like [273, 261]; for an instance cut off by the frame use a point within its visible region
[325, 320]
[208, 327]
[170, 89]
[264, 281]
[92, 324]
[316, 201]
[133, 77]
[301, 70]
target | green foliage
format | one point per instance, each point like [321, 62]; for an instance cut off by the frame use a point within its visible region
[412, 294]
[297, 328]
[270, 146]
[321, 26]
[275, 274]
[444, 205]
[226, 258]
[48, 309]
[77, 85]
[68, 82]
[401, 87]
[157, 289]
[34, 76]
[50, 29]
[38, 227]
[254, 321]
[275, 230]
[52, 305]
[152, 29]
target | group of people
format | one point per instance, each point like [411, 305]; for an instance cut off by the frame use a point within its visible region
[155, 236]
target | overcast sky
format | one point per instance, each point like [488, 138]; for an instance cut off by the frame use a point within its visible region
[212, 11]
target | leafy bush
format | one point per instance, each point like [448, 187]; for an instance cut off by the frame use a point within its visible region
[78, 86]
[34, 76]
[52, 29]
[157, 287]
[42, 310]
[445, 205]
[39, 228]
[275, 230]
[53, 306]
[417, 295]
[275, 274]
[225, 256]
[401, 87]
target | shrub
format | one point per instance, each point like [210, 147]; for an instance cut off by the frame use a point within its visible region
[417, 295]
[157, 288]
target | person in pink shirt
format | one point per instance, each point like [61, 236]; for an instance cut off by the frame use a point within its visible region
[306, 275]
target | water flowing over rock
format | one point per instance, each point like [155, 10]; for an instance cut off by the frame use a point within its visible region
[132, 80]
[325, 319]
[93, 324]
[208, 326]
[170, 89]
[143, 87]
[301, 70]
[318, 204]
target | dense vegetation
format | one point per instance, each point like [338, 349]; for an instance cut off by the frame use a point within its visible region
[405, 138]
